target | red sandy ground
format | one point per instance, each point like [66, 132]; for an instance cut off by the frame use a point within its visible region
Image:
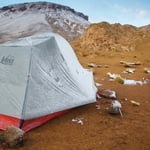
[102, 131]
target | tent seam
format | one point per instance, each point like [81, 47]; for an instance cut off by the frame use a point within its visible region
[26, 91]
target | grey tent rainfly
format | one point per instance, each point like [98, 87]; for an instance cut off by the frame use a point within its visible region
[40, 78]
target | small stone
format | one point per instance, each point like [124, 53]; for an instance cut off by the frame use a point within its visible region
[119, 79]
[135, 103]
[106, 66]
[107, 94]
[125, 99]
[147, 70]
[12, 137]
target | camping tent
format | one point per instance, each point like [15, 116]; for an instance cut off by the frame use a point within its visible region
[40, 78]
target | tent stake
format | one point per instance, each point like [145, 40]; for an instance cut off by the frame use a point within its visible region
[120, 112]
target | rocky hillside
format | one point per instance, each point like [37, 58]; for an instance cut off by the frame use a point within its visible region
[110, 37]
[30, 18]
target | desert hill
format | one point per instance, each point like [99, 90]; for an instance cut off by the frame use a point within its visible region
[110, 37]
[29, 18]
[145, 28]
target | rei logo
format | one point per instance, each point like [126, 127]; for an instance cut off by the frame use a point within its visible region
[7, 60]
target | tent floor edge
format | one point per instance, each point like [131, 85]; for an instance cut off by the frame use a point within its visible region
[33, 123]
[6, 121]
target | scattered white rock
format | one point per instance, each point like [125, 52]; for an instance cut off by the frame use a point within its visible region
[119, 79]
[78, 120]
[129, 70]
[107, 94]
[115, 108]
[147, 70]
[125, 99]
[98, 84]
[133, 82]
[112, 75]
[94, 65]
[130, 64]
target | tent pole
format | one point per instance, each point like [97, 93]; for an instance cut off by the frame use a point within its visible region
[21, 123]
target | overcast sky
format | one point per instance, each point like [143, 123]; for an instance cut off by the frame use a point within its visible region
[134, 12]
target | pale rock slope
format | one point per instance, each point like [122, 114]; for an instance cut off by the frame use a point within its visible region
[29, 18]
